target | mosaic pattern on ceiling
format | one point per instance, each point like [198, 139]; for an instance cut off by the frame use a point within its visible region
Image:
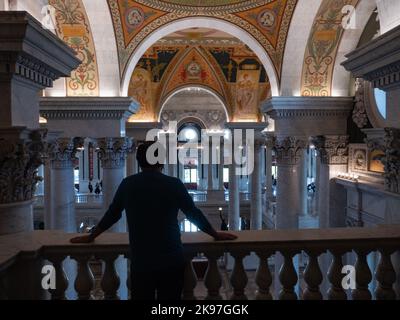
[322, 47]
[238, 78]
[267, 21]
[72, 26]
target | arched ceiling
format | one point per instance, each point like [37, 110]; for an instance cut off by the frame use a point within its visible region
[318, 41]
[267, 21]
[200, 57]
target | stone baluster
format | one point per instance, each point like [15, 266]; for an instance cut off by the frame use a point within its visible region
[128, 277]
[190, 278]
[61, 278]
[238, 277]
[263, 277]
[212, 279]
[84, 281]
[363, 277]
[335, 276]
[110, 281]
[288, 277]
[386, 276]
[313, 276]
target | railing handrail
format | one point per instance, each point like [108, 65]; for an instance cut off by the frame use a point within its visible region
[45, 242]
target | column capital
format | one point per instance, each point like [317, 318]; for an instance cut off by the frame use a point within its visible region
[287, 149]
[113, 151]
[333, 149]
[21, 153]
[62, 152]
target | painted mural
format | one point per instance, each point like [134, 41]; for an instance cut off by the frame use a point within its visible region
[72, 26]
[141, 89]
[266, 20]
[233, 72]
[322, 47]
[247, 94]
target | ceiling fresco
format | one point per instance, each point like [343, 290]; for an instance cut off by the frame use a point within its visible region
[267, 21]
[227, 68]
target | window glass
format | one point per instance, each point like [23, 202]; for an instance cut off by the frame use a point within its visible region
[380, 99]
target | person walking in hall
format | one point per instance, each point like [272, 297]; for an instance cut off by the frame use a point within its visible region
[151, 201]
[90, 187]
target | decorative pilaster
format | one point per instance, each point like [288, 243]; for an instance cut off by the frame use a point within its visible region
[359, 115]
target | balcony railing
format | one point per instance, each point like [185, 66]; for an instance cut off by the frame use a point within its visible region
[23, 255]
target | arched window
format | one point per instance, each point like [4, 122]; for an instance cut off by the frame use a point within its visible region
[189, 132]
[380, 99]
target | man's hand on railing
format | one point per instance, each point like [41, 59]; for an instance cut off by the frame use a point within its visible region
[88, 238]
[221, 236]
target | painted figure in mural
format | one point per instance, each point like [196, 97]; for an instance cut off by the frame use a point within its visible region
[139, 89]
[245, 93]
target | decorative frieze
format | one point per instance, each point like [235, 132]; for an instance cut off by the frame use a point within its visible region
[113, 151]
[288, 150]
[359, 116]
[21, 153]
[62, 152]
[332, 149]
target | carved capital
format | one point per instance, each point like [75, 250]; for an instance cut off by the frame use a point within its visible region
[287, 149]
[62, 152]
[332, 149]
[113, 151]
[21, 153]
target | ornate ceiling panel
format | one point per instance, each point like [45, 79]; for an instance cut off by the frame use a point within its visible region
[267, 21]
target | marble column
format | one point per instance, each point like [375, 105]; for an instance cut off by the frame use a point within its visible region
[303, 183]
[234, 199]
[131, 162]
[221, 166]
[333, 156]
[256, 203]
[268, 175]
[288, 155]
[62, 156]
[210, 176]
[112, 153]
[21, 153]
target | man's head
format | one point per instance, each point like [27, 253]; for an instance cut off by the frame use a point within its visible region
[151, 155]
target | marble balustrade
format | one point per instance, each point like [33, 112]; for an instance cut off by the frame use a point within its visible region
[23, 255]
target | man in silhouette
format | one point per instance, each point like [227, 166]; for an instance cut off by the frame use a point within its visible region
[151, 201]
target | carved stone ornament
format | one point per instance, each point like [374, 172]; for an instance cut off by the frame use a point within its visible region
[332, 149]
[287, 149]
[391, 160]
[359, 116]
[19, 159]
[62, 152]
[113, 151]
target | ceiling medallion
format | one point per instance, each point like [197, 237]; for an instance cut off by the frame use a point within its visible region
[266, 19]
[135, 17]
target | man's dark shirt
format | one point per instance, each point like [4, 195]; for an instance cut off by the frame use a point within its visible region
[151, 201]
